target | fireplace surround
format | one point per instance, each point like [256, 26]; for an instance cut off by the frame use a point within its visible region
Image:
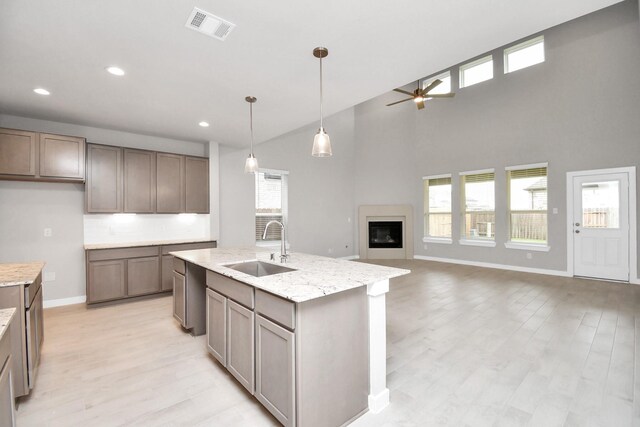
[385, 231]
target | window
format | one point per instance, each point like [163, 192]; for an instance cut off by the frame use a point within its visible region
[476, 71]
[437, 208]
[444, 87]
[478, 213]
[524, 55]
[527, 204]
[271, 202]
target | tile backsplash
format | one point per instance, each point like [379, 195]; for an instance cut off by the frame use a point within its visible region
[123, 228]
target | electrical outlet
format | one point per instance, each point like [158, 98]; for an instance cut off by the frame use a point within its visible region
[349, 219]
[49, 276]
[529, 255]
[48, 232]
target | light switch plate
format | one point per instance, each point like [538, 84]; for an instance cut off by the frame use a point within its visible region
[48, 232]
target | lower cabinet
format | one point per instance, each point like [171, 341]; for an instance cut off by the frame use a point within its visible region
[217, 326]
[107, 280]
[275, 369]
[230, 337]
[7, 397]
[240, 344]
[179, 298]
[143, 276]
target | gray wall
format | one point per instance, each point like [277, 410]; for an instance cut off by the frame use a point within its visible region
[321, 210]
[26, 208]
[578, 110]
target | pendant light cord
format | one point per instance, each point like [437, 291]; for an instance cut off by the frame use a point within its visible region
[321, 93]
[251, 125]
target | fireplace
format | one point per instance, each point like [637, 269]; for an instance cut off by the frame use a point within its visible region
[385, 231]
[385, 234]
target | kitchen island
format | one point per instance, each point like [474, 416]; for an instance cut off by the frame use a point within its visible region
[309, 342]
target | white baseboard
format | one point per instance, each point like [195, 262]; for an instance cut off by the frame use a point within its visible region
[497, 266]
[64, 301]
[350, 257]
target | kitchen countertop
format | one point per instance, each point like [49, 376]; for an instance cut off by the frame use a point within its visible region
[5, 317]
[19, 273]
[139, 244]
[315, 277]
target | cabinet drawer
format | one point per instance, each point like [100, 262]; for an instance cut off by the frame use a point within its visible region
[187, 247]
[230, 288]
[105, 254]
[277, 309]
[179, 265]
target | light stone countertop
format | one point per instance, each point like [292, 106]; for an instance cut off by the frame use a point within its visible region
[19, 273]
[93, 246]
[315, 277]
[5, 317]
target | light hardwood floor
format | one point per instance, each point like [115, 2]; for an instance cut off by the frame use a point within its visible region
[466, 346]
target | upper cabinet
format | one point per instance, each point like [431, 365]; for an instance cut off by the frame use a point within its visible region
[61, 156]
[103, 191]
[141, 181]
[170, 183]
[197, 185]
[35, 156]
[18, 152]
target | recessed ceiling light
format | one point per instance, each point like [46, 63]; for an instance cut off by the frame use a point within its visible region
[116, 71]
[41, 91]
[204, 124]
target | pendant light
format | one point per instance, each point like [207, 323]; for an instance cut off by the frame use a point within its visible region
[321, 142]
[251, 165]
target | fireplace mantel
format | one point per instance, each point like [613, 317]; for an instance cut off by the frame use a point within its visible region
[367, 213]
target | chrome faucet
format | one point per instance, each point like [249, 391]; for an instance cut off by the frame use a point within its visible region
[283, 239]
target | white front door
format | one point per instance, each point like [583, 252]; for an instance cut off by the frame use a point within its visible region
[601, 226]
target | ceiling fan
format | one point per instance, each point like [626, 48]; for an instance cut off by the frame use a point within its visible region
[420, 95]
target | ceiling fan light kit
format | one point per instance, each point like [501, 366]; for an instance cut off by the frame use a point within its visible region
[321, 142]
[251, 165]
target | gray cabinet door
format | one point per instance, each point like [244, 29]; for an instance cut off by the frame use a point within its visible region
[240, 344]
[170, 183]
[197, 185]
[7, 406]
[217, 326]
[103, 191]
[275, 370]
[17, 152]
[62, 157]
[107, 280]
[143, 276]
[167, 273]
[179, 298]
[139, 181]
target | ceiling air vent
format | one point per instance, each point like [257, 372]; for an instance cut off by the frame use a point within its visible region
[211, 25]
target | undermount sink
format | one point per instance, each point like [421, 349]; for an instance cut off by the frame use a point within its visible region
[259, 268]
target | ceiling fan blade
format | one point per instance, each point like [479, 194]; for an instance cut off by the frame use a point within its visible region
[441, 95]
[420, 105]
[403, 91]
[433, 84]
[398, 102]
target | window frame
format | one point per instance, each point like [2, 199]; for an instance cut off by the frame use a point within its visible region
[464, 239]
[426, 237]
[521, 46]
[472, 64]
[284, 203]
[511, 244]
[444, 74]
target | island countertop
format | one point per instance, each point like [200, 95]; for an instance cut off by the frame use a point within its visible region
[5, 317]
[16, 274]
[315, 276]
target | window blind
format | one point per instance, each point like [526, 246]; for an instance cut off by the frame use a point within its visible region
[528, 173]
[481, 177]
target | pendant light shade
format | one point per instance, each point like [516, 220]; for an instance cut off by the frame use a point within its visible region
[321, 142]
[251, 165]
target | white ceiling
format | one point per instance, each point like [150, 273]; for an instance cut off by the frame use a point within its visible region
[177, 77]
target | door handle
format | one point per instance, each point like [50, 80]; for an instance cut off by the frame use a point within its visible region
[577, 231]
[577, 224]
